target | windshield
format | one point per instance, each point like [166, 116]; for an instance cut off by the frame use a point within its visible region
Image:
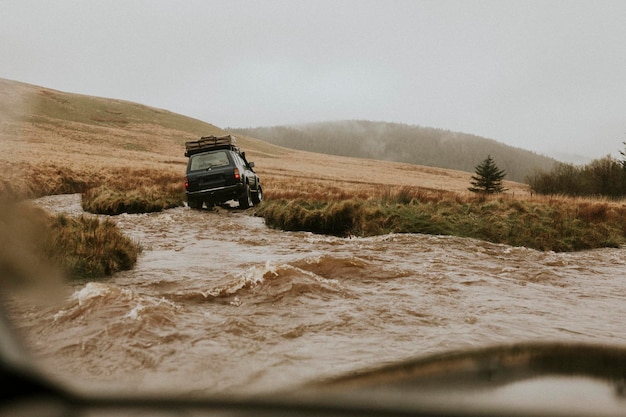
[362, 239]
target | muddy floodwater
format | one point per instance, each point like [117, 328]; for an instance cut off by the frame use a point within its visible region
[219, 303]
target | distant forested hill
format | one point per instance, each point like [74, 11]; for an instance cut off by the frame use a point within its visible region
[402, 143]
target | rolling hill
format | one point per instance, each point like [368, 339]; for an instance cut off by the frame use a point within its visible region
[402, 143]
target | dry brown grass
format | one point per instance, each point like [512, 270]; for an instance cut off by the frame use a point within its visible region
[556, 225]
[39, 249]
[359, 176]
[94, 147]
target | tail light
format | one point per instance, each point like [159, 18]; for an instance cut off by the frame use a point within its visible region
[237, 175]
[186, 183]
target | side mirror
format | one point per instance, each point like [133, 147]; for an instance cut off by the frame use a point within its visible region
[251, 164]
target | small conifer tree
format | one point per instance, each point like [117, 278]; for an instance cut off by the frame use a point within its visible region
[488, 178]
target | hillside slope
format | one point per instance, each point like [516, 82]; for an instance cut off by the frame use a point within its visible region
[45, 126]
[91, 135]
[403, 143]
[71, 127]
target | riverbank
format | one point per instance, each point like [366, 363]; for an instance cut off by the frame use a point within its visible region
[322, 206]
[546, 224]
[37, 243]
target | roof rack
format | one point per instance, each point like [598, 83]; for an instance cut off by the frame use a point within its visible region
[211, 143]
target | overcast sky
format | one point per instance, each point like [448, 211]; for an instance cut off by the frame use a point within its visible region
[547, 76]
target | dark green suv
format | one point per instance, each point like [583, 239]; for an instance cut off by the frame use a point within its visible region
[217, 172]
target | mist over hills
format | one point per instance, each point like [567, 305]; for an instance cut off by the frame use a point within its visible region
[402, 143]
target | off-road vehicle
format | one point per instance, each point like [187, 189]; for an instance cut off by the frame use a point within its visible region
[217, 172]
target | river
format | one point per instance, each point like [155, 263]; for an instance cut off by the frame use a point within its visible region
[219, 303]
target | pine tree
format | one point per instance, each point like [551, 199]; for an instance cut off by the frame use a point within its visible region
[488, 178]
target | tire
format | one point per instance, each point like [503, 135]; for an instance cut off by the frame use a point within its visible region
[245, 201]
[194, 204]
[257, 196]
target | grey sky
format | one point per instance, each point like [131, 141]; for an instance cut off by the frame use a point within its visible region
[548, 76]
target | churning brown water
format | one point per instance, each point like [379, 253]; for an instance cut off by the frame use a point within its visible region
[219, 303]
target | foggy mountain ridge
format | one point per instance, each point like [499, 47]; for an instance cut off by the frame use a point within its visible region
[402, 143]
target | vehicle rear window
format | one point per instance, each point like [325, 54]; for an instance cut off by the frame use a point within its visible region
[208, 160]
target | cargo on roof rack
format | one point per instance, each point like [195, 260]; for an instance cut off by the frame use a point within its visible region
[211, 143]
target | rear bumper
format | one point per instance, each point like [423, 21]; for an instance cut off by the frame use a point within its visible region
[218, 194]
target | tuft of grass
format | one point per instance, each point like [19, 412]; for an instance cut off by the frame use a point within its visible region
[88, 248]
[145, 199]
[333, 218]
[35, 244]
[135, 191]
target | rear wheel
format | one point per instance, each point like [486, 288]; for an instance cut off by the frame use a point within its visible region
[245, 201]
[257, 196]
[193, 203]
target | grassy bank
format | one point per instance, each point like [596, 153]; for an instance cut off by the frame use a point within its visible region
[555, 224]
[83, 247]
[111, 192]
[135, 191]
[36, 243]
[88, 248]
